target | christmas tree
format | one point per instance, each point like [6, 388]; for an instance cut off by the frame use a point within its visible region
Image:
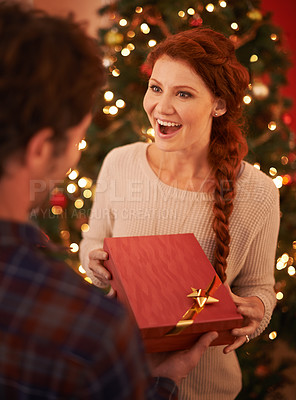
[135, 28]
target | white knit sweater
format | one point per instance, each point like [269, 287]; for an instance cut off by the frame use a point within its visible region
[131, 201]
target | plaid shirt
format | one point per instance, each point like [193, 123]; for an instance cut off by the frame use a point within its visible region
[60, 337]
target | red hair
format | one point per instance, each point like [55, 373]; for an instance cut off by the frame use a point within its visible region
[212, 56]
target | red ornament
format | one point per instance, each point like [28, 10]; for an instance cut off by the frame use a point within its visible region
[287, 118]
[146, 70]
[196, 21]
[58, 199]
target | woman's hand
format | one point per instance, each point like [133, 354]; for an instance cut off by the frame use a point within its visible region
[102, 275]
[252, 309]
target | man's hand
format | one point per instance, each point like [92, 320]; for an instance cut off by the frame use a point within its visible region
[177, 365]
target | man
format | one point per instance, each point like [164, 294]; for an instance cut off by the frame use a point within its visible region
[60, 337]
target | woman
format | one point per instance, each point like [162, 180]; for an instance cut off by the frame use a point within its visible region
[193, 179]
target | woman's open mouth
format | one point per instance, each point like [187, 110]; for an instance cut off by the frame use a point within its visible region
[167, 128]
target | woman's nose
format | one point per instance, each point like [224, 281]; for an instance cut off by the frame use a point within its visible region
[165, 104]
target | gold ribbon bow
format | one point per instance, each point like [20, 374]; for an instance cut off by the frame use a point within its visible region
[201, 297]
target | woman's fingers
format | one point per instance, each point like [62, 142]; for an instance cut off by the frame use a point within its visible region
[239, 341]
[252, 309]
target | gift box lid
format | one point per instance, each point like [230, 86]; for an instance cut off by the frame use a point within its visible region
[154, 274]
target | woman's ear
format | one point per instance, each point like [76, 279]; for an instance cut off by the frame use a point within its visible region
[219, 107]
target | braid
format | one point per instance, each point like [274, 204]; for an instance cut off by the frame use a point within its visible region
[226, 169]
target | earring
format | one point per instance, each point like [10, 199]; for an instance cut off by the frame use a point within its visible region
[215, 114]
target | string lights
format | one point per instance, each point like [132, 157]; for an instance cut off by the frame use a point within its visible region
[222, 4]
[73, 174]
[272, 126]
[82, 145]
[210, 7]
[247, 99]
[253, 58]
[122, 46]
[74, 247]
[234, 26]
[145, 28]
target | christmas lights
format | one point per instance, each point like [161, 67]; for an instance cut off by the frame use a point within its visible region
[113, 110]
[131, 46]
[234, 26]
[279, 295]
[247, 99]
[131, 34]
[82, 145]
[57, 210]
[272, 126]
[222, 4]
[145, 28]
[108, 96]
[65, 234]
[74, 247]
[79, 203]
[273, 37]
[152, 43]
[278, 181]
[123, 22]
[210, 7]
[260, 90]
[272, 171]
[81, 269]
[115, 72]
[284, 160]
[253, 58]
[272, 335]
[73, 175]
[191, 11]
[84, 228]
[120, 103]
[71, 188]
[125, 52]
[87, 193]
[291, 271]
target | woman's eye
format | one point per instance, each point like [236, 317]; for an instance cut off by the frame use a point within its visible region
[155, 88]
[184, 95]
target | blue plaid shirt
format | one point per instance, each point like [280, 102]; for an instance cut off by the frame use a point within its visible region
[60, 337]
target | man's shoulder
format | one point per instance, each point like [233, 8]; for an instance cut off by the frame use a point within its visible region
[60, 303]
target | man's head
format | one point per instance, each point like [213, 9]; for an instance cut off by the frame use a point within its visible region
[50, 72]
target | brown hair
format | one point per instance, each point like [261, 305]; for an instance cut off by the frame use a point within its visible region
[50, 72]
[212, 56]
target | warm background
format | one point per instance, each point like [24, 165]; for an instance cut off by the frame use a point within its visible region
[269, 365]
[283, 16]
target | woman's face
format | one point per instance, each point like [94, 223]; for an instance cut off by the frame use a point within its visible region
[179, 106]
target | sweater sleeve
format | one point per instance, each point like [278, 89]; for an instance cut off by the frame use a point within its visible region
[100, 221]
[257, 276]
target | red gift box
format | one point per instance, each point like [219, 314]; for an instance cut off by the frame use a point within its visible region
[153, 275]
